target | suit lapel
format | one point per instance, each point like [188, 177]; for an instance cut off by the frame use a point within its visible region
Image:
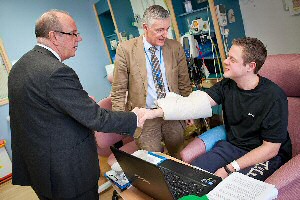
[139, 55]
[167, 56]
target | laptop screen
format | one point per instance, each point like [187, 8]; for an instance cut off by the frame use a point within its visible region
[143, 175]
[156, 180]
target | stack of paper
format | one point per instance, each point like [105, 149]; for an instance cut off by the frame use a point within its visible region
[241, 187]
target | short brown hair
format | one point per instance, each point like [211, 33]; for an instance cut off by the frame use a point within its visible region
[253, 51]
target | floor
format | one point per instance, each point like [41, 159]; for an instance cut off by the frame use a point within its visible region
[12, 192]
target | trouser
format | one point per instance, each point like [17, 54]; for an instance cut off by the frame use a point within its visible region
[157, 130]
[224, 153]
[91, 194]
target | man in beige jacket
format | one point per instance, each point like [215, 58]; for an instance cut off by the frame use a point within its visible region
[135, 72]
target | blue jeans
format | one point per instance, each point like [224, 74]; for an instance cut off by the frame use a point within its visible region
[212, 136]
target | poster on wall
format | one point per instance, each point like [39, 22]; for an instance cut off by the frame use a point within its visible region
[5, 67]
[293, 6]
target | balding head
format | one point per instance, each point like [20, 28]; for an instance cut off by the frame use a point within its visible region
[49, 21]
[57, 30]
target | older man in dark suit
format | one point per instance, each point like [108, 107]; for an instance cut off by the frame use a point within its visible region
[53, 118]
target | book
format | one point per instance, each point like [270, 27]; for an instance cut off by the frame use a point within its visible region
[242, 187]
[118, 178]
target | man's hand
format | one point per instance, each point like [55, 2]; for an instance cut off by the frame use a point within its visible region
[221, 173]
[140, 112]
[151, 114]
[143, 114]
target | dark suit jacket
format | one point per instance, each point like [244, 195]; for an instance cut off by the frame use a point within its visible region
[52, 123]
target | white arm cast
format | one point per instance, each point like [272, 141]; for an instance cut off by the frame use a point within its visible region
[176, 107]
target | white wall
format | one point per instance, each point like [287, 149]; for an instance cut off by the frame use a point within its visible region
[269, 22]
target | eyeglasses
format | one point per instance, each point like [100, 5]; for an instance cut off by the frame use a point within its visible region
[74, 34]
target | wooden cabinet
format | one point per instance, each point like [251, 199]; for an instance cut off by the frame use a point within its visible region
[207, 9]
[115, 19]
[213, 52]
[107, 26]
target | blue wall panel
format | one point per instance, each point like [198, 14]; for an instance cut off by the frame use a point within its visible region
[102, 6]
[236, 29]
[124, 17]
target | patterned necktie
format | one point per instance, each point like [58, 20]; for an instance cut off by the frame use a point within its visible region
[157, 76]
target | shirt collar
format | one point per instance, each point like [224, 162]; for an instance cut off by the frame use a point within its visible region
[147, 45]
[51, 50]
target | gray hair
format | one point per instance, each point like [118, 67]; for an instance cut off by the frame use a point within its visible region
[48, 22]
[155, 12]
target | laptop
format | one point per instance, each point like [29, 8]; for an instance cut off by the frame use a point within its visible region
[167, 180]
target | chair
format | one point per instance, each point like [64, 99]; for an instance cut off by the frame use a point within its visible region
[105, 140]
[284, 70]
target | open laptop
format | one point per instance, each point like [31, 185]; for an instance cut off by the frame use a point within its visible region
[166, 181]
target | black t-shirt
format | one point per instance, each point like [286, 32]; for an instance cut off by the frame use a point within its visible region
[251, 116]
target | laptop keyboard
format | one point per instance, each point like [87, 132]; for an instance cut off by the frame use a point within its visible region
[182, 186]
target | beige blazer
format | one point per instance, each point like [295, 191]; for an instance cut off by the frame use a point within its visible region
[130, 73]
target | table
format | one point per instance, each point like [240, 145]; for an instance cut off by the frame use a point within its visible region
[131, 193]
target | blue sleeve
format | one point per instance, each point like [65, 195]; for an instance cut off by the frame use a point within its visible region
[212, 136]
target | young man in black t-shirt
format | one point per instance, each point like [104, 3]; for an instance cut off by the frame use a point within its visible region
[255, 115]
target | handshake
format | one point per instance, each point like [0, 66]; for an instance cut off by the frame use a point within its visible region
[165, 109]
[143, 114]
[176, 107]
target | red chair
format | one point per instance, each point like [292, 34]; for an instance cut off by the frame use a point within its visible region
[284, 70]
[105, 140]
